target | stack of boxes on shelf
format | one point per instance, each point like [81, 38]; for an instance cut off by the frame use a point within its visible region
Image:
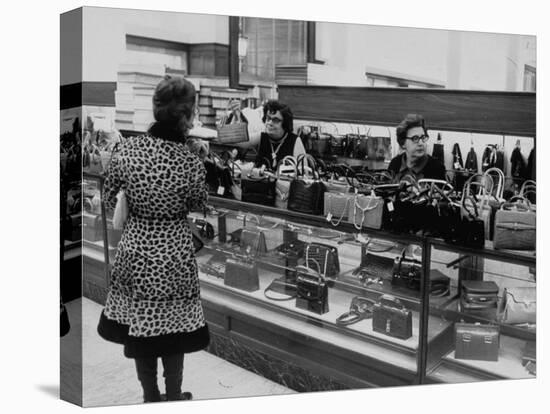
[136, 85]
[133, 96]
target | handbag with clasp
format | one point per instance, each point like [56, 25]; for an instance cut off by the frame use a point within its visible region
[390, 317]
[241, 274]
[311, 290]
[476, 341]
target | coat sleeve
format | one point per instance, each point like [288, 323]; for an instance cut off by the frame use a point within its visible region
[198, 194]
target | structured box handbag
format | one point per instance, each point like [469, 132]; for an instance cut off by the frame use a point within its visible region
[478, 295]
[518, 305]
[515, 226]
[92, 229]
[259, 190]
[366, 211]
[306, 195]
[325, 256]
[311, 290]
[336, 206]
[476, 341]
[391, 318]
[241, 274]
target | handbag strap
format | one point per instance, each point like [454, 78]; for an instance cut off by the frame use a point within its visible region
[316, 262]
[279, 299]
[288, 160]
[498, 194]
[517, 201]
[369, 136]
[330, 197]
[301, 160]
[356, 206]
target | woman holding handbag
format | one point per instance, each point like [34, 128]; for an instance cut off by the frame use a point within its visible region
[153, 305]
[278, 140]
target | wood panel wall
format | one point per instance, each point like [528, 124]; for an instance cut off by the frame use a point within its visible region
[509, 113]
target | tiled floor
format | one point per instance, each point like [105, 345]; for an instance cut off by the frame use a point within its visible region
[110, 379]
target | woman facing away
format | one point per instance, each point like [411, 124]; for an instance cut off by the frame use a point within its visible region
[153, 306]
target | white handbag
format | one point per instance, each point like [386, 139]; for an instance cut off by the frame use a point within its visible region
[120, 214]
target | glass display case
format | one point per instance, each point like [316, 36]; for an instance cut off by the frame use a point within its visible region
[491, 312]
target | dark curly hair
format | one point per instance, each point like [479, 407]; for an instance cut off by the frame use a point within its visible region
[410, 121]
[173, 106]
[273, 106]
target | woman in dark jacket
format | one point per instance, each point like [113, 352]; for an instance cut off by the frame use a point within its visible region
[412, 135]
[153, 305]
[278, 141]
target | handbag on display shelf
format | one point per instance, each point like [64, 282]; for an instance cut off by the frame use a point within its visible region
[518, 305]
[479, 297]
[325, 256]
[285, 173]
[390, 317]
[306, 195]
[515, 226]
[378, 148]
[233, 133]
[311, 290]
[366, 211]
[259, 190]
[528, 191]
[218, 176]
[360, 308]
[253, 242]
[242, 274]
[475, 341]
[407, 268]
[336, 206]
[480, 187]
[338, 180]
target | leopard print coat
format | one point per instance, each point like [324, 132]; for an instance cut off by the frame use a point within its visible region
[154, 287]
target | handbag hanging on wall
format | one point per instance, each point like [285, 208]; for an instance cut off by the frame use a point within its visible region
[378, 148]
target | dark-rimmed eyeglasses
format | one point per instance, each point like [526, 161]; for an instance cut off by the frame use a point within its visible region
[273, 120]
[417, 138]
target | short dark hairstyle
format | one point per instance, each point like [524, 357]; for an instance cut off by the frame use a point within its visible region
[410, 121]
[273, 106]
[174, 99]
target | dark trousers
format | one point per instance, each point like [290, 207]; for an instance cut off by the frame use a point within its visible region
[173, 376]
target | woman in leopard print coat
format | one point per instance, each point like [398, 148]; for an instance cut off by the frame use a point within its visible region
[153, 306]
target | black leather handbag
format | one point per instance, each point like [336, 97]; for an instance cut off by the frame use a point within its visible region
[391, 318]
[311, 290]
[407, 269]
[476, 341]
[325, 256]
[306, 195]
[259, 190]
[241, 274]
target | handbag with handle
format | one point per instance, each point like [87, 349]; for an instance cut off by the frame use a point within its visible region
[306, 195]
[233, 133]
[378, 148]
[366, 211]
[324, 255]
[390, 317]
[311, 290]
[518, 305]
[515, 226]
[476, 341]
[259, 190]
[484, 185]
[285, 173]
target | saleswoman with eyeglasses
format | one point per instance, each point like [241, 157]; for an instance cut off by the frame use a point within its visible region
[412, 136]
[278, 140]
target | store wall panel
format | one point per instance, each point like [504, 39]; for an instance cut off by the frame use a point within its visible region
[511, 113]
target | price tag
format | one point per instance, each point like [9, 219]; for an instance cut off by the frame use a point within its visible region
[457, 165]
[390, 206]
[362, 239]
[329, 216]
[221, 190]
